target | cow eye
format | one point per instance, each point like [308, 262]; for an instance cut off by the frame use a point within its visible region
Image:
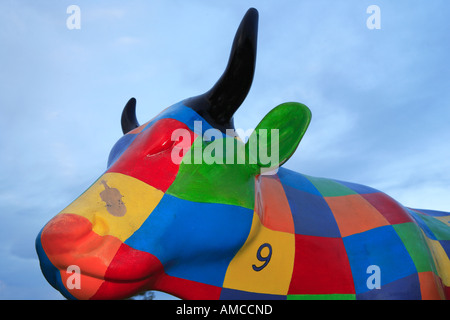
[159, 137]
[159, 143]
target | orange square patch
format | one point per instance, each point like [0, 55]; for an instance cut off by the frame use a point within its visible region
[354, 214]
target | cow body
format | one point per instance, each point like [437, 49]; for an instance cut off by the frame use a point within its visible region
[229, 229]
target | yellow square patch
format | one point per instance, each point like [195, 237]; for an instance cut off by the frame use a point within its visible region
[116, 204]
[264, 264]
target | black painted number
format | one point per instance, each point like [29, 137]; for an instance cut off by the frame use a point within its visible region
[264, 259]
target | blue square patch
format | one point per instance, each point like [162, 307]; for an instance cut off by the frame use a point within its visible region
[194, 241]
[376, 253]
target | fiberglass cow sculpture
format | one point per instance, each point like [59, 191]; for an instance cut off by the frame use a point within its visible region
[195, 215]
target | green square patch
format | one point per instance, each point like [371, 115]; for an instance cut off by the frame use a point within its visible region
[440, 230]
[415, 244]
[330, 188]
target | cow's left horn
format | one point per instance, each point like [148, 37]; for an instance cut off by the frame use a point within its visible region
[219, 104]
[129, 121]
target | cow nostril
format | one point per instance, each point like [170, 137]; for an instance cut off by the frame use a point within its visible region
[100, 226]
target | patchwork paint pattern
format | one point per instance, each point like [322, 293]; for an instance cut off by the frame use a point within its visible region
[226, 231]
[303, 238]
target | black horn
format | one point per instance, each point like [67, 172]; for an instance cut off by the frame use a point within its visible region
[219, 104]
[129, 121]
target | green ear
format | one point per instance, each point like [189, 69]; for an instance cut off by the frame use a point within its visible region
[277, 136]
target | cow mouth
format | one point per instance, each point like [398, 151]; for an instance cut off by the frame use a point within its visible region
[92, 287]
[85, 265]
[95, 288]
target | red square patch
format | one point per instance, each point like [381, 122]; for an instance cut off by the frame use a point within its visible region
[321, 266]
[388, 207]
[149, 157]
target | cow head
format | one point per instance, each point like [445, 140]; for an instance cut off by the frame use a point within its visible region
[176, 201]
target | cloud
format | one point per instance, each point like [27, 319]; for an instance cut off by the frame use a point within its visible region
[128, 41]
[99, 13]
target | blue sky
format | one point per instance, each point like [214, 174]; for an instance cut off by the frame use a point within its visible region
[380, 99]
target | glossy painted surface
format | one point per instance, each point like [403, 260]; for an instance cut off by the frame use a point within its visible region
[232, 233]
[223, 230]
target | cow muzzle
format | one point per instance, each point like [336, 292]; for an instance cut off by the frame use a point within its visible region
[82, 250]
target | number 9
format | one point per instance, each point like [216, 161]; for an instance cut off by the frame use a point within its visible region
[265, 259]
